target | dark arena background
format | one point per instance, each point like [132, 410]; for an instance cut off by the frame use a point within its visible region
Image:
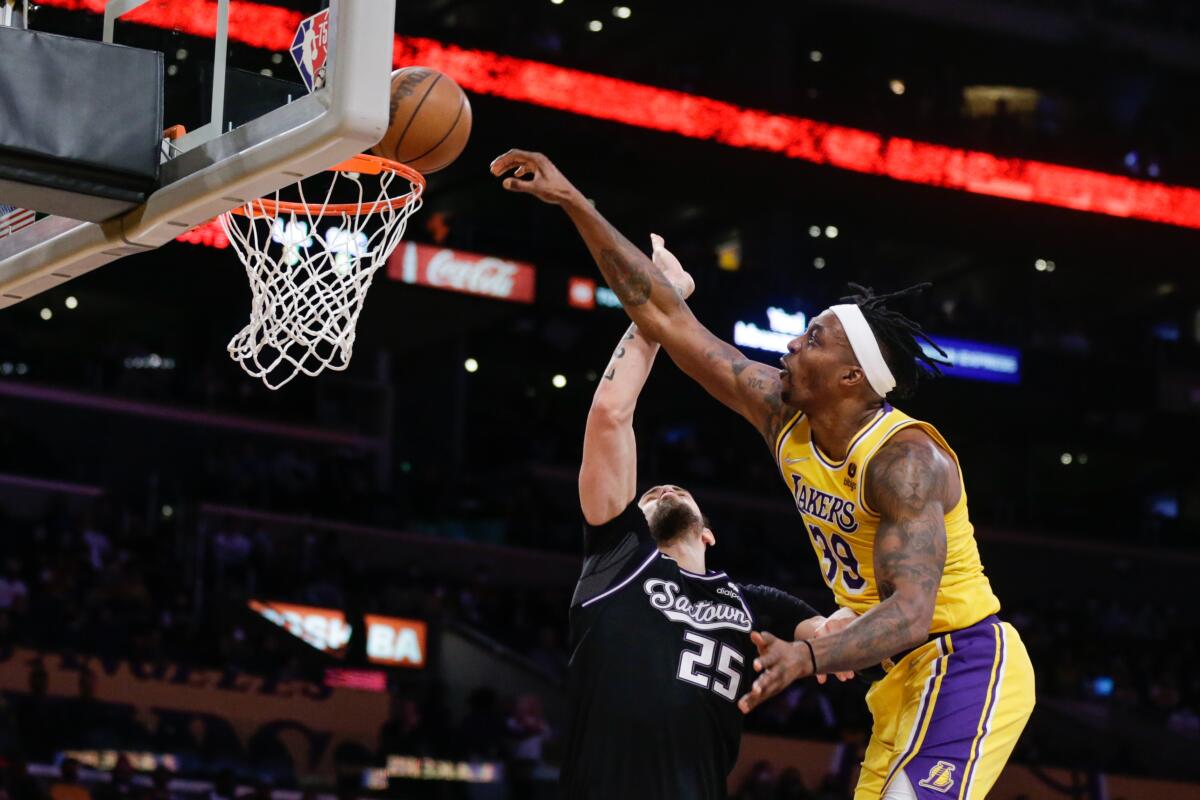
[357, 586]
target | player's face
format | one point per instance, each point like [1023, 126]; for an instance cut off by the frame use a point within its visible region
[670, 511]
[667, 495]
[815, 362]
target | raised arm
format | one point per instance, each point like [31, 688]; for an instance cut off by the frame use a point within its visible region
[910, 482]
[608, 472]
[750, 388]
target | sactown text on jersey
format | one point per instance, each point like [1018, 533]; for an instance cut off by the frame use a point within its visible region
[704, 615]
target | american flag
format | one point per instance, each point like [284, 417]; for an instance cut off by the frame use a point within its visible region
[13, 219]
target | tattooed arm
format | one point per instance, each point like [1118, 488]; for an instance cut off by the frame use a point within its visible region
[910, 482]
[608, 473]
[748, 387]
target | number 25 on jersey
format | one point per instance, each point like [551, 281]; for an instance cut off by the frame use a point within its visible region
[695, 666]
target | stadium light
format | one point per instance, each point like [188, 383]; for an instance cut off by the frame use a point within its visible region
[622, 12]
[595, 26]
[72, 303]
[471, 365]
[46, 314]
[559, 381]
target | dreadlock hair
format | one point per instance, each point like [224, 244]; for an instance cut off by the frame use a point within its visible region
[899, 337]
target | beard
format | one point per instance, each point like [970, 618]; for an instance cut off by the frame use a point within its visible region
[671, 519]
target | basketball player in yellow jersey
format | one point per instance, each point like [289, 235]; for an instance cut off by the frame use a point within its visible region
[883, 505]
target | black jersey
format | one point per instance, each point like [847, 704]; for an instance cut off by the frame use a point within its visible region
[659, 658]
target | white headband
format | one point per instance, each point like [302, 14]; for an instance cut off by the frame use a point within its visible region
[866, 349]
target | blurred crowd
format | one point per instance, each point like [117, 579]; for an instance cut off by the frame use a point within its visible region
[103, 586]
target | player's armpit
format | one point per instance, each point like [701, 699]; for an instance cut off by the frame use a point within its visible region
[751, 388]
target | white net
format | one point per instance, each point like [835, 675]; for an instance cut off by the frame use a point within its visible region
[310, 269]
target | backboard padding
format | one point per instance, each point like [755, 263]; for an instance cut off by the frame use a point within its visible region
[308, 135]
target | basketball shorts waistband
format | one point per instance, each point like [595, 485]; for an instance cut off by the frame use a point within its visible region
[876, 673]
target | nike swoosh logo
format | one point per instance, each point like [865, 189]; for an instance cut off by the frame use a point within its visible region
[795, 460]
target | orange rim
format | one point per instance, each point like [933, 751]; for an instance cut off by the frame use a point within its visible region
[363, 164]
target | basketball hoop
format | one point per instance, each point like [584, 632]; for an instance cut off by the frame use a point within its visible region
[308, 284]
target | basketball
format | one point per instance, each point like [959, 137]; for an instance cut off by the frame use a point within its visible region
[430, 120]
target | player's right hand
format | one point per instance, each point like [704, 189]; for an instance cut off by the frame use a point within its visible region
[666, 261]
[778, 664]
[534, 174]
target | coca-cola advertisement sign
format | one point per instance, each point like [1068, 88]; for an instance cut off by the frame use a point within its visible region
[459, 271]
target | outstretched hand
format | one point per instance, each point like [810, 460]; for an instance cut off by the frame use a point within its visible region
[671, 269]
[533, 173]
[779, 663]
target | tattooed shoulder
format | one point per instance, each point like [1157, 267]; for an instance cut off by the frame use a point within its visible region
[906, 474]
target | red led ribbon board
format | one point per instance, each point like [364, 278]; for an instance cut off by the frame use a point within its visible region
[601, 97]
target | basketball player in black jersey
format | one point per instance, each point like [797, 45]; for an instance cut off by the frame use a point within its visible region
[660, 645]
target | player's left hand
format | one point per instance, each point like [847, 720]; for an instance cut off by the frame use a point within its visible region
[534, 174]
[779, 663]
[832, 624]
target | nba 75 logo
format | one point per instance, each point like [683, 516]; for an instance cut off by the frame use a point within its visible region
[310, 49]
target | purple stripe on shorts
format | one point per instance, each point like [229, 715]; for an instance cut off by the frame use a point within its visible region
[961, 703]
[988, 720]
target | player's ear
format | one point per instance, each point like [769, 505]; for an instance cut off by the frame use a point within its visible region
[853, 375]
[707, 536]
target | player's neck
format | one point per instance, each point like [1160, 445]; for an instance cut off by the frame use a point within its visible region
[688, 553]
[833, 429]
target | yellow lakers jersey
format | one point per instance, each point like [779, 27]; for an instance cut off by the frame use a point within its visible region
[841, 527]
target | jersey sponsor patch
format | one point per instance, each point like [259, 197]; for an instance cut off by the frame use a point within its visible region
[705, 615]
